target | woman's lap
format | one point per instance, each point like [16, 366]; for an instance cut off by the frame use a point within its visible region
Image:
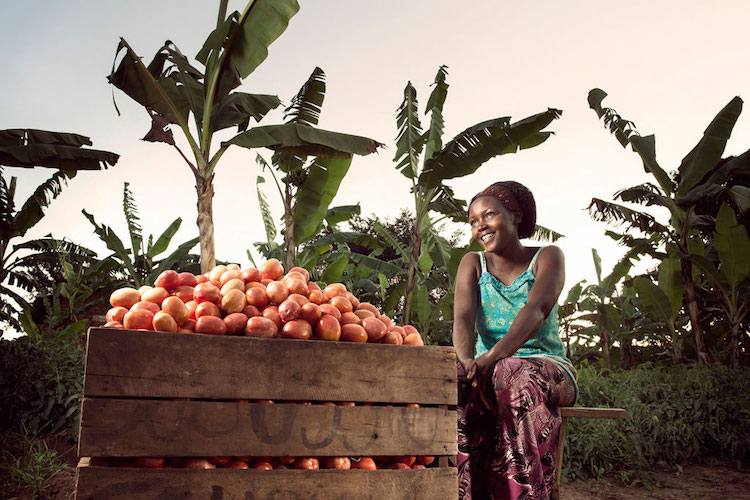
[512, 454]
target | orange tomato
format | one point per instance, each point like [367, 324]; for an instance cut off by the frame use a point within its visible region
[207, 309]
[272, 313]
[197, 463]
[191, 306]
[201, 278]
[155, 295]
[413, 339]
[235, 464]
[206, 292]
[386, 320]
[251, 275]
[418, 466]
[341, 303]
[334, 290]
[184, 293]
[328, 328]
[311, 313]
[349, 318]
[330, 310]
[337, 463]
[354, 300]
[146, 306]
[353, 333]
[289, 310]
[317, 297]
[301, 270]
[392, 337]
[257, 297]
[233, 301]
[164, 322]
[233, 284]
[313, 287]
[299, 299]
[276, 292]
[398, 465]
[150, 462]
[364, 313]
[113, 324]
[408, 460]
[261, 466]
[176, 308]
[124, 297]
[229, 275]
[425, 459]
[369, 307]
[250, 311]
[271, 269]
[297, 286]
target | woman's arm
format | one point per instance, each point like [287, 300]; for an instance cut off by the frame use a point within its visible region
[550, 278]
[465, 303]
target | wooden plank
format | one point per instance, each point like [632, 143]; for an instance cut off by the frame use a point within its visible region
[128, 427]
[117, 483]
[127, 363]
[582, 412]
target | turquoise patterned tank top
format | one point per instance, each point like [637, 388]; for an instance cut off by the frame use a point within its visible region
[499, 304]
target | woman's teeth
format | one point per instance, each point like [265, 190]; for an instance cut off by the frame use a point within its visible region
[487, 236]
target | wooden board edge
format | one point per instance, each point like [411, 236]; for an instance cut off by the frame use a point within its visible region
[585, 412]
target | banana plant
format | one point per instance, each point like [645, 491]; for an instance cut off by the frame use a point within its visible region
[30, 148]
[730, 283]
[308, 186]
[172, 90]
[139, 262]
[692, 196]
[459, 157]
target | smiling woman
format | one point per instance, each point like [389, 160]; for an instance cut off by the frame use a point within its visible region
[513, 373]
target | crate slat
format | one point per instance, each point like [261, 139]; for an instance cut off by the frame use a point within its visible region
[127, 427]
[127, 363]
[115, 483]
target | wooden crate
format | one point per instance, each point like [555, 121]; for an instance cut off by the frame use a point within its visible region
[163, 394]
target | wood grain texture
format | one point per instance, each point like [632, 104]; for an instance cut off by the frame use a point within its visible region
[118, 483]
[582, 412]
[127, 427]
[127, 363]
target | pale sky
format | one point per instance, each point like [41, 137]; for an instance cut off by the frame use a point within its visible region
[668, 65]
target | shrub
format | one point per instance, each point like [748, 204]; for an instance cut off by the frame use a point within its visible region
[40, 385]
[676, 414]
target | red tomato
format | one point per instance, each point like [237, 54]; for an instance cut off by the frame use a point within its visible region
[418, 466]
[168, 279]
[216, 272]
[375, 329]
[184, 292]
[354, 300]
[392, 337]
[116, 314]
[187, 279]
[313, 287]
[272, 313]
[337, 463]
[295, 285]
[191, 305]
[231, 275]
[366, 463]
[138, 320]
[297, 329]
[299, 299]
[311, 313]
[236, 323]
[386, 321]
[220, 460]
[330, 310]
[306, 463]
[408, 460]
[286, 460]
[425, 459]
[257, 297]
[188, 325]
[369, 307]
[317, 297]
[150, 462]
[235, 464]
[261, 466]
[305, 274]
[250, 311]
[398, 330]
[210, 324]
[233, 301]
[413, 339]
[197, 463]
[399, 465]
[258, 326]
[364, 313]
[251, 274]
[201, 278]
[113, 324]
[207, 309]
[341, 303]
[289, 310]
[349, 318]
[146, 306]
[206, 292]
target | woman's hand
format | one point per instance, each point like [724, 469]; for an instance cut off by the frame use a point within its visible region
[480, 377]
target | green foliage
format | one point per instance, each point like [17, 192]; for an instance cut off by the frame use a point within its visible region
[40, 385]
[30, 463]
[676, 414]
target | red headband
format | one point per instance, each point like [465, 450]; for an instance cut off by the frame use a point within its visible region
[503, 194]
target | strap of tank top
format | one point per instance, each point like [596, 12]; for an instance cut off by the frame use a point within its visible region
[483, 261]
[533, 260]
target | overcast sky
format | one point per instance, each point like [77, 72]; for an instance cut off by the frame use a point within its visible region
[668, 65]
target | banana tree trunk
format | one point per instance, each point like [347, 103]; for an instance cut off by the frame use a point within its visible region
[692, 309]
[289, 243]
[205, 190]
[734, 361]
[605, 338]
[411, 274]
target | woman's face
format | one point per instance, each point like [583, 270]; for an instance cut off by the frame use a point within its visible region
[492, 225]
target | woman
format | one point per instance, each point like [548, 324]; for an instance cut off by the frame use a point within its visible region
[512, 370]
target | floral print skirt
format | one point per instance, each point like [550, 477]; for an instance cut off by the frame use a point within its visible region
[511, 455]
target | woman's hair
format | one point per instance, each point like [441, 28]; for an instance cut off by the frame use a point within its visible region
[516, 197]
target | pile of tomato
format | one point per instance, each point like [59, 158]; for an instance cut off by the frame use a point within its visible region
[267, 303]
[270, 463]
[262, 302]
